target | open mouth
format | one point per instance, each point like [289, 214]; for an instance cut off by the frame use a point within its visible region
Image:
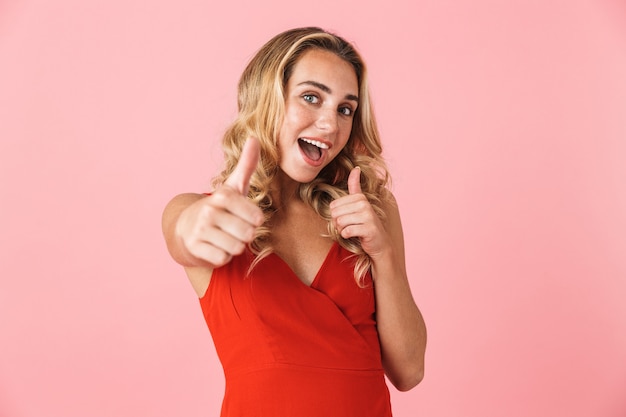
[312, 148]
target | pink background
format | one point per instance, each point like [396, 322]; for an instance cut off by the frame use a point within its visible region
[505, 129]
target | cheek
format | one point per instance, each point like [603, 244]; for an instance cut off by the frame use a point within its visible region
[288, 126]
[346, 131]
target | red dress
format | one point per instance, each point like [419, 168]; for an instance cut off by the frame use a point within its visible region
[290, 350]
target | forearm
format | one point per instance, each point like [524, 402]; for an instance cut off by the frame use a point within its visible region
[401, 328]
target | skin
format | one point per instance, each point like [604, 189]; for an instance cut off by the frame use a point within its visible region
[321, 97]
[205, 232]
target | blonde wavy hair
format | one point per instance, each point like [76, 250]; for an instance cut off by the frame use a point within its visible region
[261, 104]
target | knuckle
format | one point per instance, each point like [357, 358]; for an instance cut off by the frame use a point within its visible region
[195, 234]
[249, 235]
[339, 222]
[238, 248]
[196, 251]
[220, 258]
[220, 197]
[259, 216]
[190, 242]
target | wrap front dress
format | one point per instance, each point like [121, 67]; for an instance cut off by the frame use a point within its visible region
[292, 350]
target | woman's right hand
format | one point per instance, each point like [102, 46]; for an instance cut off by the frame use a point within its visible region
[208, 231]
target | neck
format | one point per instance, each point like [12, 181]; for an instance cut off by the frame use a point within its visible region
[284, 190]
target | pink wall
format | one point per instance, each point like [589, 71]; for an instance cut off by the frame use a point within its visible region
[505, 126]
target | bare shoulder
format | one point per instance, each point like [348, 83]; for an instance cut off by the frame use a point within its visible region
[390, 206]
[180, 202]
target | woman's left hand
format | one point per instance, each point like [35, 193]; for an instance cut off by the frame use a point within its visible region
[353, 216]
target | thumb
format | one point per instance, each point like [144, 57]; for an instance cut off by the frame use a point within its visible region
[239, 179]
[354, 181]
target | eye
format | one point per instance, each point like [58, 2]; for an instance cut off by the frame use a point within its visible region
[346, 111]
[310, 98]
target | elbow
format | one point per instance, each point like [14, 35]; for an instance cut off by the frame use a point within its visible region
[408, 380]
[409, 383]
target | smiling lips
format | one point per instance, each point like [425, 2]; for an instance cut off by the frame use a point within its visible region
[312, 149]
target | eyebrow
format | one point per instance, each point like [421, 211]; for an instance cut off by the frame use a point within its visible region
[327, 89]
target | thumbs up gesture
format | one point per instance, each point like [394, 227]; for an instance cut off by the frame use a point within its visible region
[354, 216]
[215, 228]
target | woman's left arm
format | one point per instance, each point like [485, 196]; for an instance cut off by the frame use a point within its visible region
[401, 328]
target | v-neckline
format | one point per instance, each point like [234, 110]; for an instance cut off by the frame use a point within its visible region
[316, 278]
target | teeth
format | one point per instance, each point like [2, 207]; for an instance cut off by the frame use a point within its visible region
[316, 143]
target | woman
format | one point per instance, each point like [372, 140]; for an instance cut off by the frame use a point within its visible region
[298, 255]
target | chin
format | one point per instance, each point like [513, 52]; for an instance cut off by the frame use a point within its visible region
[302, 179]
[298, 175]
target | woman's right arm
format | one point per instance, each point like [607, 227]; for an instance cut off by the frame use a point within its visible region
[204, 232]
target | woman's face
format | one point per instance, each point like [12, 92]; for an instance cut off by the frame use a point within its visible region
[321, 98]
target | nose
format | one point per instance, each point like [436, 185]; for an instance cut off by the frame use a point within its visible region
[327, 120]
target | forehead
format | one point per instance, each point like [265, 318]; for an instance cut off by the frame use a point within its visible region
[327, 68]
